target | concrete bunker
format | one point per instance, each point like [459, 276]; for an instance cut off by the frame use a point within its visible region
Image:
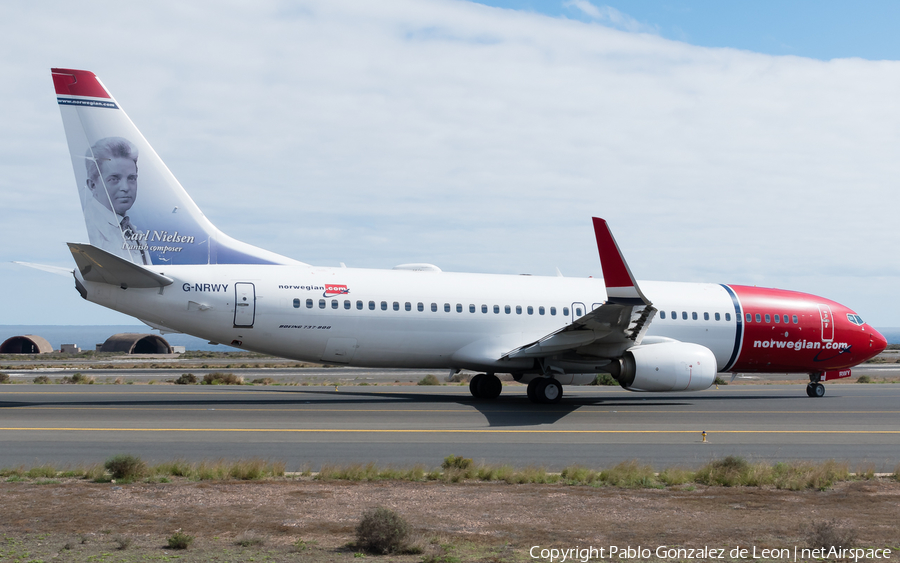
[27, 344]
[132, 343]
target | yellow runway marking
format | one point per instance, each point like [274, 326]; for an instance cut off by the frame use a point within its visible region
[446, 431]
[584, 409]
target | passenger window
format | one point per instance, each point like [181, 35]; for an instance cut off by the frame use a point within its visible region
[794, 318]
[471, 307]
[321, 303]
[768, 319]
[309, 303]
[507, 310]
[396, 306]
[371, 305]
[694, 315]
[684, 315]
[496, 309]
[407, 306]
[578, 311]
[540, 310]
[359, 305]
[718, 317]
[296, 303]
[459, 307]
[777, 318]
[662, 314]
[347, 304]
[334, 303]
[565, 311]
[530, 310]
[446, 307]
[758, 318]
[749, 318]
[674, 316]
[420, 307]
[384, 305]
[484, 308]
[705, 316]
[518, 309]
[552, 311]
[727, 316]
[434, 307]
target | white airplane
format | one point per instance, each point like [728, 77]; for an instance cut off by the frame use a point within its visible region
[155, 256]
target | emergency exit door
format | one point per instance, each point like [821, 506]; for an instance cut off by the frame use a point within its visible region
[244, 305]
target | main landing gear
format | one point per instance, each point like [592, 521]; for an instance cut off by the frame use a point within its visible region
[545, 390]
[485, 386]
[814, 388]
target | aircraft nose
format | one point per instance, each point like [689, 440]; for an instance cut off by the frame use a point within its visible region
[877, 342]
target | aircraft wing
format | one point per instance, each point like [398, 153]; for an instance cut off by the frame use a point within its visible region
[608, 330]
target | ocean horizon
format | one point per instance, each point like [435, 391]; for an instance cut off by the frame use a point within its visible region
[87, 337]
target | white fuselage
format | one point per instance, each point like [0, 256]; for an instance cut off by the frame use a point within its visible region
[400, 318]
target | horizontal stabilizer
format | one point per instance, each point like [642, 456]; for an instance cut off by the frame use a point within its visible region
[98, 265]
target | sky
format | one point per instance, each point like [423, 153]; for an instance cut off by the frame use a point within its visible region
[742, 143]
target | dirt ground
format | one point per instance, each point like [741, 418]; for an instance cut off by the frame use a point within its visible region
[306, 520]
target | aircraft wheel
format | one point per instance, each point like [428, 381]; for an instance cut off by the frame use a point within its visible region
[490, 387]
[475, 385]
[819, 390]
[810, 390]
[532, 387]
[549, 391]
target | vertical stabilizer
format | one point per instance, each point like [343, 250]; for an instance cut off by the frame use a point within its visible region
[133, 205]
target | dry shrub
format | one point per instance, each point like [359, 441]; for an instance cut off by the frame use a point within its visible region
[41, 380]
[829, 534]
[220, 378]
[429, 380]
[382, 531]
[4, 377]
[179, 540]
[126, 467]
[186, 379]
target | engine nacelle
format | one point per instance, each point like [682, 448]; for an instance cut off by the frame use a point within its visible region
[668, 366]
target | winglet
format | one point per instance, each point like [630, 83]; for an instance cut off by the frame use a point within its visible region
[621, 286]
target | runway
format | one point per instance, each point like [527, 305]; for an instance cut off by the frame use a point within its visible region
[308, 426]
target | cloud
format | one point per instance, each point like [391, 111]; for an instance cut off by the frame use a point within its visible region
[478, 139]
[612, 17]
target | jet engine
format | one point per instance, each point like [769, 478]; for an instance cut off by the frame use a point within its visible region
[668, 366]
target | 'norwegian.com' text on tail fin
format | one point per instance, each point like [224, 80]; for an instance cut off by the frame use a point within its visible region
[133, 205]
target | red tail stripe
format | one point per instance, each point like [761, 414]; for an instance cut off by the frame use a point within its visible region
[70, 82]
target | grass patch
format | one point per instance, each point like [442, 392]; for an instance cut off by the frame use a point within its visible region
[249, 539]
[829, 534]
[864, 379]
[41, 380]
[78, 378]
[4, 377]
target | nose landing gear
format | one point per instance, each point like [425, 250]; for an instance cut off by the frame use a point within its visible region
[814, 388]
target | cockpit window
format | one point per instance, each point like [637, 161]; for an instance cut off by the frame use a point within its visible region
[855, 319]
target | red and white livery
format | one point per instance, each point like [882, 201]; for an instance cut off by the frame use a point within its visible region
[154, 255]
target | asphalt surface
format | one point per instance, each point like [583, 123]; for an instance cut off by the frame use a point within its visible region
[401, 425]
